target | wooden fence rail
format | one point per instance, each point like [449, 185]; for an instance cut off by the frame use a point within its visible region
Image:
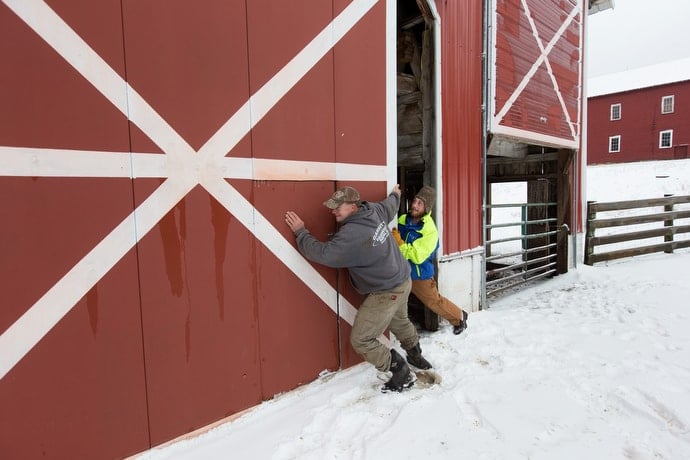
[669, 217]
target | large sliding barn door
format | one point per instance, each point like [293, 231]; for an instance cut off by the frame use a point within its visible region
[149, 151]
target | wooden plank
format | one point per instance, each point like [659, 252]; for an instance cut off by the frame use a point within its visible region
[633, 220]
[621, 237]
[541, 158]
[645, 203]
[426, 86]
[413, 97]
[611, 255]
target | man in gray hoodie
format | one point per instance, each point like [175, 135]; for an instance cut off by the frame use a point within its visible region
[377, 269]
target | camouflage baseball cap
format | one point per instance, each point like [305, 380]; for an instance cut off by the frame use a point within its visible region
[342, 195]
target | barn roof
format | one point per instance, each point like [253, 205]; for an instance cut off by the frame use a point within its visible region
[638, 78]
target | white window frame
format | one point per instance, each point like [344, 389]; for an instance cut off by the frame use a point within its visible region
[616, 139]
[615, 107]
[662, 144]
[667, 101]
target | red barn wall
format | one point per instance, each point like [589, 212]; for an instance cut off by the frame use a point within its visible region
[150, 284]
[461, 106]
[640, 124]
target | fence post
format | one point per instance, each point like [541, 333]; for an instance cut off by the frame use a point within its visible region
[589, 234]
[668, 223]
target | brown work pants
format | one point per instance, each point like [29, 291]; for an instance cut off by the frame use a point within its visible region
[379, 311]
[427, 292]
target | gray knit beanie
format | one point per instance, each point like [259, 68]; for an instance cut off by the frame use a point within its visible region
[428, 196]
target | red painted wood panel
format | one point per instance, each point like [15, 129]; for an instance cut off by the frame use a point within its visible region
[516, 49]
[188, 61]
[360, 90]
[298, 331]
[50, 105]
[198, 308]
[537, 108]
[84, 380]
[300, 126]
[196, 265]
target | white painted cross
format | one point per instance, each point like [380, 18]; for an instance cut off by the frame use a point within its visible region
[543, 58]
[181, 165]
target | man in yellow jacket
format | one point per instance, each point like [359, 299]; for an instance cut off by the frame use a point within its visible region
[417, 237]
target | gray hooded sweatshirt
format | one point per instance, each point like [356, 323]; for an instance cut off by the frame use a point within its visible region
[364, 246]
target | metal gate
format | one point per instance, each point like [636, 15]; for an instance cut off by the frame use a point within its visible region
[528, 253]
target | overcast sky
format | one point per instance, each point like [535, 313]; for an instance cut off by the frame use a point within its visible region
[637, 33]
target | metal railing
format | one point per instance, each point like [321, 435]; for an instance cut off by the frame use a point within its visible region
[526, 254]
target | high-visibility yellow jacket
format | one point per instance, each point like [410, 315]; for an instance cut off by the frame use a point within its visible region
[420, 243]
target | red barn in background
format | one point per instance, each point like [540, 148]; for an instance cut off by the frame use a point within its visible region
[149, 151]
[640, 114]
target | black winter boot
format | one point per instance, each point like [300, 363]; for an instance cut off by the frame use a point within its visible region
[462, 326]
[402, 376]
[414, 357]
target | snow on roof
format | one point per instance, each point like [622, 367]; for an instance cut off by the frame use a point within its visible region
[641, 77]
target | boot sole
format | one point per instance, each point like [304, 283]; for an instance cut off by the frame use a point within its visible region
[405, 386]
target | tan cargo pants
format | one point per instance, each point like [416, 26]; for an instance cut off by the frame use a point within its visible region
[427, 292]
[379, 311]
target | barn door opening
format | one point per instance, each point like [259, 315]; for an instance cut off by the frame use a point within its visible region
[416, 89]
[527, 214]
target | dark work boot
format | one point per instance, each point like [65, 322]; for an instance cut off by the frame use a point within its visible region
[402, 376]
[463, 324]
[414, 357]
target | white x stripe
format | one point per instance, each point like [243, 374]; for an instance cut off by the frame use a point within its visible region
[543, 57]
[30, 162]
[181, 165]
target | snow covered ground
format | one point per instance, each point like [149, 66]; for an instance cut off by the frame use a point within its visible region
[591, 364]
[646, 179]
